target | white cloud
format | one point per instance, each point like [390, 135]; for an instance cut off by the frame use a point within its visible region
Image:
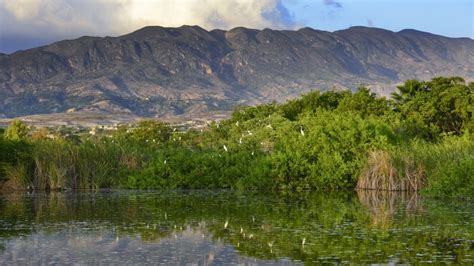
[27, 23]
[121, 16]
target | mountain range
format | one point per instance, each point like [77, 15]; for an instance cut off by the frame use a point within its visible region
[189, 71]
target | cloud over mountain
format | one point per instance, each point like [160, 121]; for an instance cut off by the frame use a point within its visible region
[39, 20]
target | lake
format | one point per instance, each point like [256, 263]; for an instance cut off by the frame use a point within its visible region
[224, 227]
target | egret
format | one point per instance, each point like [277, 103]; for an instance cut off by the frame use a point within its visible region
[240, 141]
[270, 244]
[304, 241]
[226, 224]
[164, 161]
[237, 123]
[301, 131]
[225, 147]
[241, 230]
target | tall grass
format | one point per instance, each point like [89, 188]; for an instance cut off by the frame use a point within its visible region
[384, 171]
[439, 169]
[17, 176]
[90, 165]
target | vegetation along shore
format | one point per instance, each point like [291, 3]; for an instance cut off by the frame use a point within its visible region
[420, 139]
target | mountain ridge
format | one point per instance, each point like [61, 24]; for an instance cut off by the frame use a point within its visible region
[158, 71]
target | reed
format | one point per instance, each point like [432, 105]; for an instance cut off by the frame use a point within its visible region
[17, 176]
[382, 173]
[439, 169]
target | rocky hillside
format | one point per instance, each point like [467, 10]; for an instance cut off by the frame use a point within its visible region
[159, 72]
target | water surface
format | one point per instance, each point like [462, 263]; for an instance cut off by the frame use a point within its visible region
[222, 227]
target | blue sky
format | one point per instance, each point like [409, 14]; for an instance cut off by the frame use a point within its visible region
[454, 18]
[30, 23]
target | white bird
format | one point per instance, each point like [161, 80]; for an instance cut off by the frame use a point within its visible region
[301, 131]
[225, 147]
[304, 241]
[241, 230]
[237, 123]
[164, 162]
[252, 153]
[240, 141]
[226, 224]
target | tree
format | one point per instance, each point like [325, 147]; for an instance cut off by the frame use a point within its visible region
[151, 131]
[442, 105]
[17, 130]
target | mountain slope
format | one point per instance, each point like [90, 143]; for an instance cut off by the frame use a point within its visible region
[158, 71]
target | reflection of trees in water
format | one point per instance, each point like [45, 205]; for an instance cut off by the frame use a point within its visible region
[384, 205]
[335, 226]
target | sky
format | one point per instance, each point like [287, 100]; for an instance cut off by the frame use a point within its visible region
[30, 23]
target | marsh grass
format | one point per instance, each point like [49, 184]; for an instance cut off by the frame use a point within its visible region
[91, 165]
[384, 171]
[17, 176]
[439, 169]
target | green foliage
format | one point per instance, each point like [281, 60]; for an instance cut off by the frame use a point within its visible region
[17, 130]
[328, 150]
[440, 106]
[319, 141]
[448, 165]
[151, 131]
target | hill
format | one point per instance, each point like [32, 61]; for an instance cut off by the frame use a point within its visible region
[189, 71]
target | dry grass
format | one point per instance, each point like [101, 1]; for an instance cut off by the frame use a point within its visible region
[381, 173]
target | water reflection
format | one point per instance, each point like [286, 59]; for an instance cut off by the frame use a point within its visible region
[220, 227]
[384, 205]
